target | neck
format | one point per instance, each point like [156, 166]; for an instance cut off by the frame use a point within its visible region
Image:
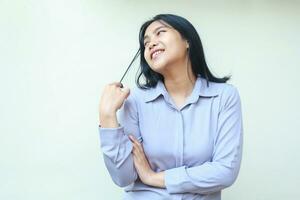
[180, 82]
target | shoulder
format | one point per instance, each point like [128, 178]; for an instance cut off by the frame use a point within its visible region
[226, 92]
[137, 94]
[229, 99]
[220, 89]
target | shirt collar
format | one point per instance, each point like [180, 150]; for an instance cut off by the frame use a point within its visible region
[200, 90]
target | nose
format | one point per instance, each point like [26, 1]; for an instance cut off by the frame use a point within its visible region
[152, 44]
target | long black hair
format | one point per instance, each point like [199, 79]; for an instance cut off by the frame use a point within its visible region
[196, 53]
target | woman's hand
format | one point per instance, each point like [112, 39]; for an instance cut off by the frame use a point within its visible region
[112, 98]
[146, 174]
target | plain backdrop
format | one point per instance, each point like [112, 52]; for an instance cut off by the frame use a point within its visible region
[57, 55]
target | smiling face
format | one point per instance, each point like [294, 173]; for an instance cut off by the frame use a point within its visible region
[164, 47]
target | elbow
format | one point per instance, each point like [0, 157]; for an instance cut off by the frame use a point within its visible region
[229, 178]
[228, 182]
[122, 182]
[122, 173]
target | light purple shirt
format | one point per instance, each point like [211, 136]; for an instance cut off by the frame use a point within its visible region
[199, 146]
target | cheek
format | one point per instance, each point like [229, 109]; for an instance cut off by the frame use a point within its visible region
[178, 49]
[147, 56]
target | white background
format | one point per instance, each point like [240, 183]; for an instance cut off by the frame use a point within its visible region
[56, 56]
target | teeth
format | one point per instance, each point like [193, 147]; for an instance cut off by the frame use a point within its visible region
[156, 53]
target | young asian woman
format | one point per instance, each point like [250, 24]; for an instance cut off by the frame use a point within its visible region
[179, 134]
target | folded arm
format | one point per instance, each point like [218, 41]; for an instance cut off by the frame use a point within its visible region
[222, 171]
[117, 147]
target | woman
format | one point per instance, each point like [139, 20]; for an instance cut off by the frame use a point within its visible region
[178, 135]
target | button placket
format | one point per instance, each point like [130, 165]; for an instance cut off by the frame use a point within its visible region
[181, 139]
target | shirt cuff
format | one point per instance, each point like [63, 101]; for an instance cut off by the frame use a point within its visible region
[110, 135]
[176, 180]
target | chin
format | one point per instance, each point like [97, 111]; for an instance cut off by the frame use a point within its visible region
[158, 67]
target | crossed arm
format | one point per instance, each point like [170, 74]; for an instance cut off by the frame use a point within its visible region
[146, 174]
[125, 158]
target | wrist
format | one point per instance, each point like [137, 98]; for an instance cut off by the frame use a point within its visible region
[108, 120]
[156, 179]
[149, 178]
[107, 112]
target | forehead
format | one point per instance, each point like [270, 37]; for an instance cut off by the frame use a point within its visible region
[154, 26]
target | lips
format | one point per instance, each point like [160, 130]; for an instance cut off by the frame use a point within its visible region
[156, 52]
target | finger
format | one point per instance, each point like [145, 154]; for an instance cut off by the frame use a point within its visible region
[138, 146]
[115, 83]
[135, 148]
[134, 153]
[125, 91]
[137, 151]
[133, 138]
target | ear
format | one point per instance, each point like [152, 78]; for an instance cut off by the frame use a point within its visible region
[187, 45]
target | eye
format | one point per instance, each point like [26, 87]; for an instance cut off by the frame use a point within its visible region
[146, 44]
[160, 31]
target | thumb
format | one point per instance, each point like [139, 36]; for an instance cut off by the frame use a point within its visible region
[125, 92]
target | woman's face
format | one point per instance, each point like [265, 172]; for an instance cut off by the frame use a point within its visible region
[164, 46]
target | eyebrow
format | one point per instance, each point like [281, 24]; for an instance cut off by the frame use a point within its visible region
[162, 26]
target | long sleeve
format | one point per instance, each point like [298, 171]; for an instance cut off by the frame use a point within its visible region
[117, 147]
[222, 170]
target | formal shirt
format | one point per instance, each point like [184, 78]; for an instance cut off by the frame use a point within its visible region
[198, 145]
